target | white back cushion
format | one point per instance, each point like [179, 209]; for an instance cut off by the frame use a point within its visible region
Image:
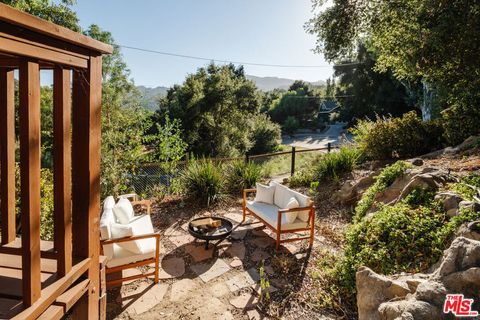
[139, 226]
[265, 194]
[291, 216]
[123, 211]
[283, 195]
[107, 218]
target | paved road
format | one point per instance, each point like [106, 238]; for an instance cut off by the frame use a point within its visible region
[317, 140]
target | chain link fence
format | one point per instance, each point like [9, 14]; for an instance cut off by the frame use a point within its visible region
[148, 177]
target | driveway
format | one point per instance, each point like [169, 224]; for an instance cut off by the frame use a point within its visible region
[333, 135]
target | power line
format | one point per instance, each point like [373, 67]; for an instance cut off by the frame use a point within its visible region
[232, 61]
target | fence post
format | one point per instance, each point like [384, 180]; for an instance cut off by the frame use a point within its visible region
[292, 171]
[247, 158]
[329, 147]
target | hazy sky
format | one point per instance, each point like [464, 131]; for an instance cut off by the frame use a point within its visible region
[259, 31]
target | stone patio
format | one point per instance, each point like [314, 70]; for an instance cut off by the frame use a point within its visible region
[219, 283]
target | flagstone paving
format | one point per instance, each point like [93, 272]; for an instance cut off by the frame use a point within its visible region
[219, 283]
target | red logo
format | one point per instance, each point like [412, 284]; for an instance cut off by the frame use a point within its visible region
[459, 306]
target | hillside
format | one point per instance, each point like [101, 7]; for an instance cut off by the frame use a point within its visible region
[151, 95]
[271, 83]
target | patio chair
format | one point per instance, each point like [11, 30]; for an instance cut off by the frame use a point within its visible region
[128, 241]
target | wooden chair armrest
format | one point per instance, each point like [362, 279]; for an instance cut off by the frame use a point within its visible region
[296, 209]
[132, 238]
[147, 203]
[245, 192]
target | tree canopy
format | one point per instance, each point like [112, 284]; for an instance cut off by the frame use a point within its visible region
[218, 109]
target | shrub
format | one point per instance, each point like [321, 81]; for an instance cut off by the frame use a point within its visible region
[399, 238]
[467, 187]
[334, 163]
[382, 181]
[203, 180]
[266, 135]
[328, 166]
[460, 122]
[390, 138]
[241, 175]
[290, 125]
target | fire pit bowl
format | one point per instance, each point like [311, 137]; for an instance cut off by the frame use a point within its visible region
[212, 233]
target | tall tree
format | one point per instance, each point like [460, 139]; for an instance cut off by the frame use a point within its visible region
[218, 108]
[364, 92]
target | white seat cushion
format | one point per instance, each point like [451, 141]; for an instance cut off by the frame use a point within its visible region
[264, 193]
[283, 195]
[269, 213]
[120, 256]
[123, 211]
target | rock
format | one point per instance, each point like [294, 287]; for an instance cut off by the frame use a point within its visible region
[416, 162]
[374, 289]
[469, 205]
[351, 190]
[421, 296]
[470, 231]
[450, 201]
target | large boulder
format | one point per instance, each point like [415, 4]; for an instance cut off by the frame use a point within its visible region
[352, 190]
[450, 201]
[421, 296]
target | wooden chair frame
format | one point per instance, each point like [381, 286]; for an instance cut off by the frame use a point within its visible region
[278, 228]
[155, 260]
[147, 203]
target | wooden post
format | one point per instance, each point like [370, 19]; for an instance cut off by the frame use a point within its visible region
[292, 170]
[86, 112]
[30, 179]
[7, 155]
[329, 147]
[62, 168]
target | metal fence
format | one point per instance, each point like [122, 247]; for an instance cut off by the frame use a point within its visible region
[278, 164]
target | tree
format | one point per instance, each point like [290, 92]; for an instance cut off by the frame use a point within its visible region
[123, 120]
[59, 13]
[364, 93]
[216, 106]
[433, 40]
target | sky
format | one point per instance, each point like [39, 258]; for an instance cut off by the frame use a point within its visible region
[258, 31]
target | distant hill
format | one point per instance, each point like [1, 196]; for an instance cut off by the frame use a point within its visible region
[150, 96]
[270, 83]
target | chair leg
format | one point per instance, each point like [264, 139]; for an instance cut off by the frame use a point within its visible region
[277, 245]
[157, 259]
[244, 213]
[312, 227]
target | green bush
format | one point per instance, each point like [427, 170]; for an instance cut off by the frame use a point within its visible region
[266, 135]
[467, 187]
[390, 138]
[328, 166]
[460, 122]
[203, 180]
[334, 163]
[382, 181]
[399, 239]
[241, 175]
[290, 125]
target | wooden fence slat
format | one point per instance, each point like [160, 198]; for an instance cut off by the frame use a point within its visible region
[62, 168]
[7, 155]
[30, 179]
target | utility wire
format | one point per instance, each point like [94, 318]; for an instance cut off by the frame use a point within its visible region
[234, 62]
